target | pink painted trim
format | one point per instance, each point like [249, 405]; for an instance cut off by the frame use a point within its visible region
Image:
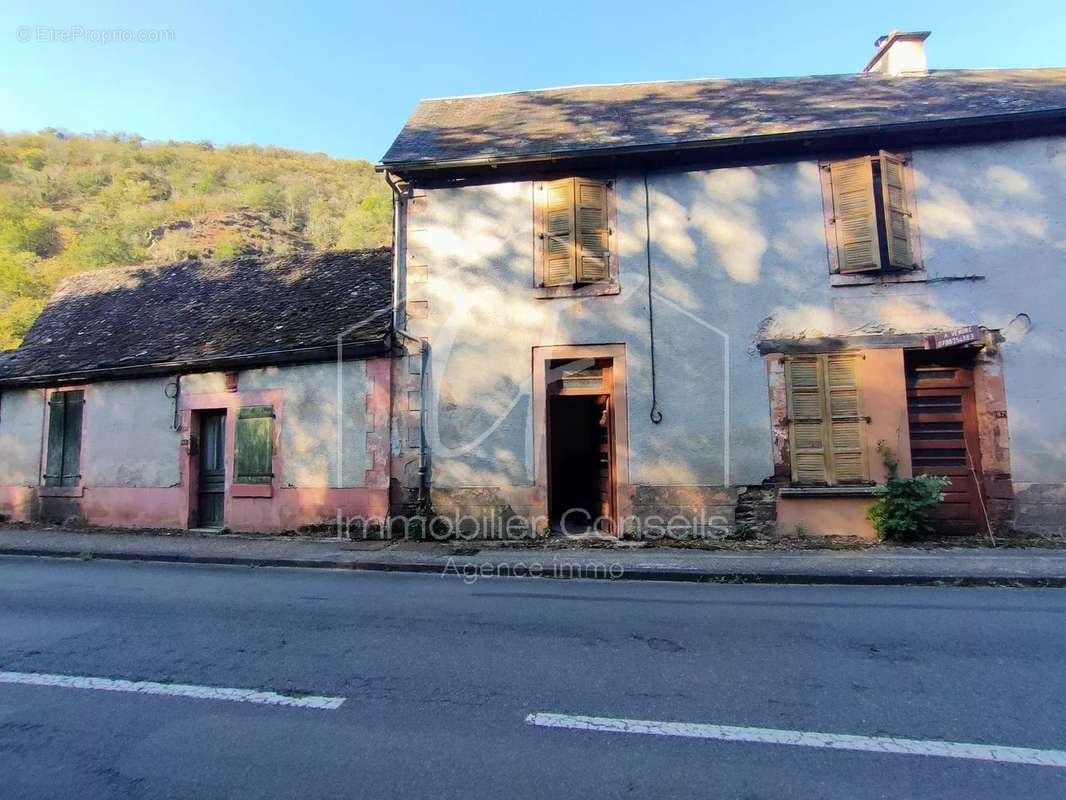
[252, 490]
[133, 507]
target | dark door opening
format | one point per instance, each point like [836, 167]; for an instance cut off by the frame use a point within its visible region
[580, 448]
[211, 473]
[944, 439]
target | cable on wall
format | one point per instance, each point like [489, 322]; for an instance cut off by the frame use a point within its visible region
[655, 414]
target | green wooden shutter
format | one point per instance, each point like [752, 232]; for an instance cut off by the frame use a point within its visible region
[592, 231]
[559, 250]
[897, 215]
[807, 420]
[845, 425]
[254, 448]
[72, 437]
[53, 472]
[63, 462]
[855, 215]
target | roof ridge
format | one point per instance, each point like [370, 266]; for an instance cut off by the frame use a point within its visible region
[816, 76]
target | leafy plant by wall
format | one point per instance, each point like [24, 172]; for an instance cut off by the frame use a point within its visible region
[903, 506]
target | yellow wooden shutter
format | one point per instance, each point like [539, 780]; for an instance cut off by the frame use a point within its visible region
[855, 215]
[897, 215]
[807, 420]
[848, 459]
[592, 231]
[559, 250]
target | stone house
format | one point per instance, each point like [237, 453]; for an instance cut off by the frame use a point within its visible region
[681, 308]
[251, 394]
[710, 303]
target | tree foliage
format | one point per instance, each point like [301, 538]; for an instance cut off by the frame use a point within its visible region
[73, 203]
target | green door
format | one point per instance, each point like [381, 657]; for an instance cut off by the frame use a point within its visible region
[212, 476]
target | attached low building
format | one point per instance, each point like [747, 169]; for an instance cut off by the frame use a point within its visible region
[250, 394]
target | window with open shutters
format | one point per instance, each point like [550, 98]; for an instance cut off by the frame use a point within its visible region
[871, 218]
[63, 465]
[254, 445]
[574, 232]
[825, 426]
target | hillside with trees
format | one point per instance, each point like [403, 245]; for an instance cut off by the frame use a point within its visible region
[70, 203]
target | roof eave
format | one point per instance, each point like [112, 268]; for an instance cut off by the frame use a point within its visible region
[304, 355]
[425, 167]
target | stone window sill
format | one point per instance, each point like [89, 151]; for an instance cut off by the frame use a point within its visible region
[879, 278]
[827, 491]
[61, 491]
[588, 290]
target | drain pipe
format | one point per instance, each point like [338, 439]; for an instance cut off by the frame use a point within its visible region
[398, 201]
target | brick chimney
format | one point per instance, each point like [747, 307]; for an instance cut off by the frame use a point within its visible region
[900, 54]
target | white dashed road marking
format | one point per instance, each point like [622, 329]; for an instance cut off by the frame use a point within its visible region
[172, 690]
[832, 741]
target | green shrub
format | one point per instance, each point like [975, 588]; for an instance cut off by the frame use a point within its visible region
[901, 510]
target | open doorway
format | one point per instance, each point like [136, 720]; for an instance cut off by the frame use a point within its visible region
[580, 447]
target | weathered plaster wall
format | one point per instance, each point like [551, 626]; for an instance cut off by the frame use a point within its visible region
[739, 254]
[136, 473]
[21, 422]
[309, 436]
[128, 438]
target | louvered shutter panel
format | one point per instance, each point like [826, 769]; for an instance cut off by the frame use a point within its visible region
[254, 446]
[845, 425]
[593, 238]
[559, 250]
[897, 215]
[807, 420]
[53, 473]
[855, 215]
[72, 438]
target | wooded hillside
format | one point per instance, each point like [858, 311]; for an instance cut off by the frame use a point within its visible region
[72, 203]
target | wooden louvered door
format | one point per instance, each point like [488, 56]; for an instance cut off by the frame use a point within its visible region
[943, 430]
[606, 462]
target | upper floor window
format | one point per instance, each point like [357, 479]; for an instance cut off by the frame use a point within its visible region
[573, 236]
[871, 219]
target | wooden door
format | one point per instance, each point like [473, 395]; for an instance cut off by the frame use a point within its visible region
[944, 440]
[211, 488]
[606, 461]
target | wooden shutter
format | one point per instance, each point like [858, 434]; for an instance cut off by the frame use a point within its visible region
[64, 438]
[254, 447]
[855, 215]
[807, 420]
[559, 251]
[53, 473]
[897, 215]
[593, 237]
[847, 459]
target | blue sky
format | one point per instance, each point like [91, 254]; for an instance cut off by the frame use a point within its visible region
[342, 77]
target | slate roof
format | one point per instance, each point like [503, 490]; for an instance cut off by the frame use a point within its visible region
[585, 119]
[240, 311]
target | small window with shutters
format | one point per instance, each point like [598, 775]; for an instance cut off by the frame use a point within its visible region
[573, 233]
[870, 215]
[63, 463]
[253, 454]
[826, 430]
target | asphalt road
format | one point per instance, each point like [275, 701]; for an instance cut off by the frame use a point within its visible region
[439, 677]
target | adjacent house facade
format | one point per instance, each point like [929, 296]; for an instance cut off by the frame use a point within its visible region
[720, 304]
[250, 394]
